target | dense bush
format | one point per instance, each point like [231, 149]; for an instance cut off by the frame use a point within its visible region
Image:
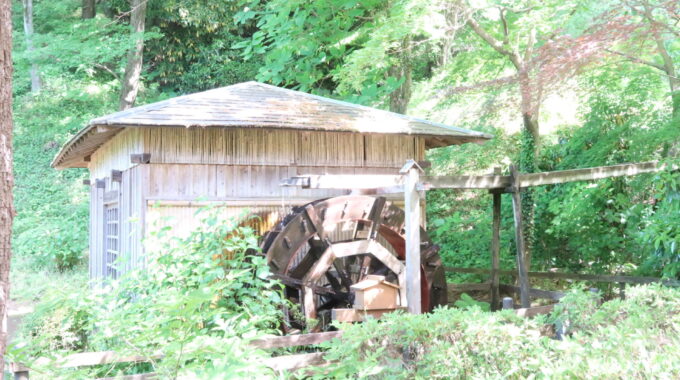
[196, 302]
[634, 338]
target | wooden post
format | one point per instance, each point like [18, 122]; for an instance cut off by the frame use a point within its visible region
[495, 246]
[508, 303]
[519, 239]
[412, 205]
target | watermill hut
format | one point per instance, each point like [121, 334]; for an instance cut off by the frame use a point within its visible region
[231, 146]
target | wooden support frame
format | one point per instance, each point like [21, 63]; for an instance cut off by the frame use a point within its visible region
[393, 183]
[412, 205]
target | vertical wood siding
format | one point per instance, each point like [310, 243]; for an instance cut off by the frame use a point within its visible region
[224, 166]
[115, 154]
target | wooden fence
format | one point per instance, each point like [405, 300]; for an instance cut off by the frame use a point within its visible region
[496, 287]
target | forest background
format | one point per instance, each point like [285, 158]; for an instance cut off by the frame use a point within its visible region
[560, 84]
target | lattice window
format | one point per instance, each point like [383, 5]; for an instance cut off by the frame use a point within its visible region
[111, 239]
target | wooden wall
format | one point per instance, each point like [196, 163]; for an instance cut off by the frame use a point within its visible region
[238, 168]
[115, 153]
[255, 146]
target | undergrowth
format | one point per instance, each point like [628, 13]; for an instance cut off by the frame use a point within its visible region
[195, 302]
[638, 337]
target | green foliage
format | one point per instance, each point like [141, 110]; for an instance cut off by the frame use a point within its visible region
[467, 302]
[197, 302]
[196, 52]
[635, 338]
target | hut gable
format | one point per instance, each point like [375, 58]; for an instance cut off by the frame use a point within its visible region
[258, 105]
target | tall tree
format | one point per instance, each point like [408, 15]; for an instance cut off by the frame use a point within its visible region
[656, 36]
[6, 176]
[133, 69]
[89, 9]
[530, 42]
[36, 83]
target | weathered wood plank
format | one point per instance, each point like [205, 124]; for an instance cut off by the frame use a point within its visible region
[573, 276]
[464, 182]
[412, 209]
[355, 315]
[534, 311]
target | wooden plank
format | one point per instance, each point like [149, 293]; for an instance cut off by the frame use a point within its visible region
[519, 240]
[344, 181]
[589, 174]
[543, 178]
[534, 311]
[573, 276]
[295, 362]
[356, 315]
[464, 182]
[294, 340]
[412, 209]
[495, 247]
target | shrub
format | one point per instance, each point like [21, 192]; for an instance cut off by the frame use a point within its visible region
[197, 301]
[634, 338]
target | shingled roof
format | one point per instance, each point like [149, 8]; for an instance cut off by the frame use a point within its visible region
[258, 105]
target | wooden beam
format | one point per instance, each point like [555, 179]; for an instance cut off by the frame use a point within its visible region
[495, 247]
[412, 208]
[534, 311]
[539, 179]
[519, 239]
[464, 182]
[589, 174]
[573, 276]
[100, 183]
[344, 181]
[357, 315]
[391, 183]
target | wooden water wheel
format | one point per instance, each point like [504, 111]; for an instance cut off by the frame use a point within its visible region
[324, 247]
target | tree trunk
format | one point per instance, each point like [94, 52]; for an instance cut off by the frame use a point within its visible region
[36, 83]
[527, 164]
[527, 159]
[133, 70]
[400, 97]
[6, 176]
[89, 9]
